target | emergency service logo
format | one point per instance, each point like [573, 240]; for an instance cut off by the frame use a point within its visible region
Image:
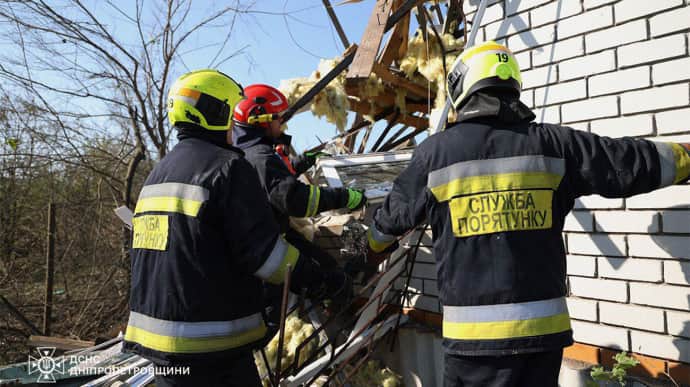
[45, 365]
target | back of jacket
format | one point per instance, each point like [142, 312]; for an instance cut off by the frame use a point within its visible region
[496, 196]
[203, 232]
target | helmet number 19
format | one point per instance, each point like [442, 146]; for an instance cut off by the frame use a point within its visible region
[502, 57]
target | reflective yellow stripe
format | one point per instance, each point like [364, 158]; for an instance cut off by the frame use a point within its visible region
[192, 345]
[497, 182]
[168, 204]
[290, 258]
[313, 201]
[682, 158]
[506, 329]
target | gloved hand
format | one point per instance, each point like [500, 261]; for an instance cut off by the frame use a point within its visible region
[309, 158]
[355, 199]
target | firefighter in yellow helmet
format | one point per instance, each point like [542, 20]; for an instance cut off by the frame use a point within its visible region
[204, 241]
[496, 187]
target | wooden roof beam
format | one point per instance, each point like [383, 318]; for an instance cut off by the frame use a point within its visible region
[396, 47]
[365, 57]
[399, 81]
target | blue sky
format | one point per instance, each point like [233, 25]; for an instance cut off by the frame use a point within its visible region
[273, 54]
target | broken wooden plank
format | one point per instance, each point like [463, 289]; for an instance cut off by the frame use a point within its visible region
[354, 129]
[371, 41]
[421, 21]
[399, 81]
[59, 343]
[323, 82]
[392, 139]
[418, 122]
[383, 101]
[439, 13]
[403, 139]
[396, 47]
[401, 12]
[454, 17]
[392, 120]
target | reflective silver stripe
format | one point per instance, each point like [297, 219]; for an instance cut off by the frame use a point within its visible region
[188, 100]
[380, 237]
[274, 259]
[194, 329]
[505, 312]
[494, 166]
[176, 190]
[668, 163]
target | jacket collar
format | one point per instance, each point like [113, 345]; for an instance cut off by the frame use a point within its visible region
[246, 136]
[490, 108]
[218, 138]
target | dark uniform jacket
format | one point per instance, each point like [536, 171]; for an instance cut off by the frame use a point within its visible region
[204, 239]
[288, 196]
[496, 189]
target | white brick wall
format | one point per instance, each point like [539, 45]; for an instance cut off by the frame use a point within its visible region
[616, 81]
[660, 346]
[631, 9]
[560, 50]
[652, 50]
[588, 21]
[649, 319]
[630, 269]
[589, 109]
[630, 126]
[677, 273]
[661, 246]
[587, 65]
[671, 71]
[552, 11]
[616, 36]
[673, 121]
[627, 221]
[599, 289]
[674, 297]
[678, 323]
[655, 98]
[597, 244]
[676, 221]
[601, 335]
[582, 309]
[670, 21]
[615, 68]
[582, 265]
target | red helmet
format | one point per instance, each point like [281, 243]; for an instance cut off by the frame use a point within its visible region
[263, 104]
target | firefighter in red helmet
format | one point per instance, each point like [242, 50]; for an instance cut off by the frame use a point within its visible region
[257, 131]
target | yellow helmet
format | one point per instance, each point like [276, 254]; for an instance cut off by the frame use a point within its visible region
[205, 98]
[487, 65]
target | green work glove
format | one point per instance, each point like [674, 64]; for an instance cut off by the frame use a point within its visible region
[311, 157]
[355, 199]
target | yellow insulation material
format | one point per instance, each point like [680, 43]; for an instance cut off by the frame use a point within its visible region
[331, 102]
[296, 332]
[422, 64]
[372, 374]
[424, 57]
